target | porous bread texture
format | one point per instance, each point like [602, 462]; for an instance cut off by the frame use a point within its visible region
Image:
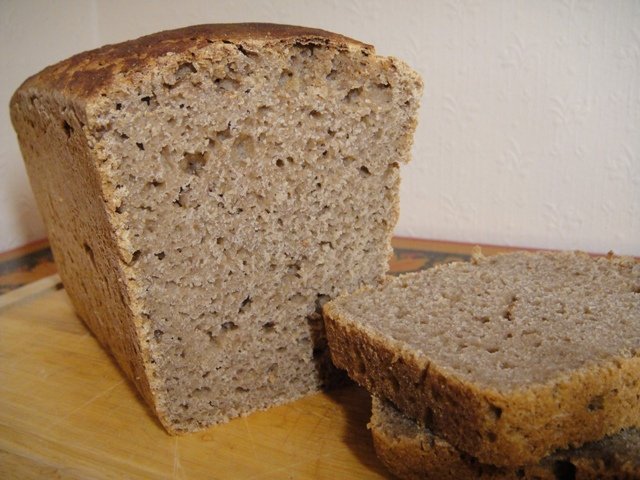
[413, 452]
[508, 358]
[206, 190]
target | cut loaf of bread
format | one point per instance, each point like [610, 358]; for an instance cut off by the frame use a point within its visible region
[508, 358]
[412, 452]
[206, 189]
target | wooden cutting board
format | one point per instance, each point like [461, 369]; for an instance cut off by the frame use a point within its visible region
[67, 412]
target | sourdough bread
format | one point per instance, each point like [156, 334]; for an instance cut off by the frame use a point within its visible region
[508, 358]
[206, 190]
[413, 452]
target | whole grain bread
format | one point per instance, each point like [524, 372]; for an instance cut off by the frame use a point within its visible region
[413, 452]
[206, 190]
[508, 358]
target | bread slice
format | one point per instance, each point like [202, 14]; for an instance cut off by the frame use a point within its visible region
[206, 189]
[412, 452]
[508, 358]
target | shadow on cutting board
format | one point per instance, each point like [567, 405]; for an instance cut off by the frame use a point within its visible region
[355, 401]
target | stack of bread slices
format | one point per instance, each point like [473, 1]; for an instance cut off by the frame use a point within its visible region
[522, 365]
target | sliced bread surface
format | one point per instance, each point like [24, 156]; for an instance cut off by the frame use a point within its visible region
[508, 358]
[413, 452]
[206, 190]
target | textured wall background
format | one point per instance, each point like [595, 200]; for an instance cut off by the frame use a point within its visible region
[530, 125]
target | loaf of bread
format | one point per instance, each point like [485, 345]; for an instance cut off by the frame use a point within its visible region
[412, 452]
[206, 190]
[508, 358]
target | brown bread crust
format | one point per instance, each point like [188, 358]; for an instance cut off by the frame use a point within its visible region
[91, 73]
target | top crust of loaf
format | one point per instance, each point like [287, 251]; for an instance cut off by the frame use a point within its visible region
[89, 74]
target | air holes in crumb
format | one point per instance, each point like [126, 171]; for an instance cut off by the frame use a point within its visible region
[89, 252]
[279, 163]
[160, 255]
[68, 129]
[244, 304]
[224, 134]
[228, 326]
[146, 99]
[285, 76]
[596, 403]
[496, 412]
[135, 256]
[364, 171]
[353, 94]
[245, 52]
[241, 389]
[219, 240]
[332, 74]
[315, 114]
[227, 84]
[193, 163]
[263, 109]
[269, 327]
[243, 148]
[118, 106]
[185, 69]
[157, 334]
[140, 145]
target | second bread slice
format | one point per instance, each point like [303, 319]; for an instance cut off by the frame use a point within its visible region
[508, 358]
[412, 452]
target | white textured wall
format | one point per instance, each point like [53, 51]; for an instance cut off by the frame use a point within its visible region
[530, 125]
